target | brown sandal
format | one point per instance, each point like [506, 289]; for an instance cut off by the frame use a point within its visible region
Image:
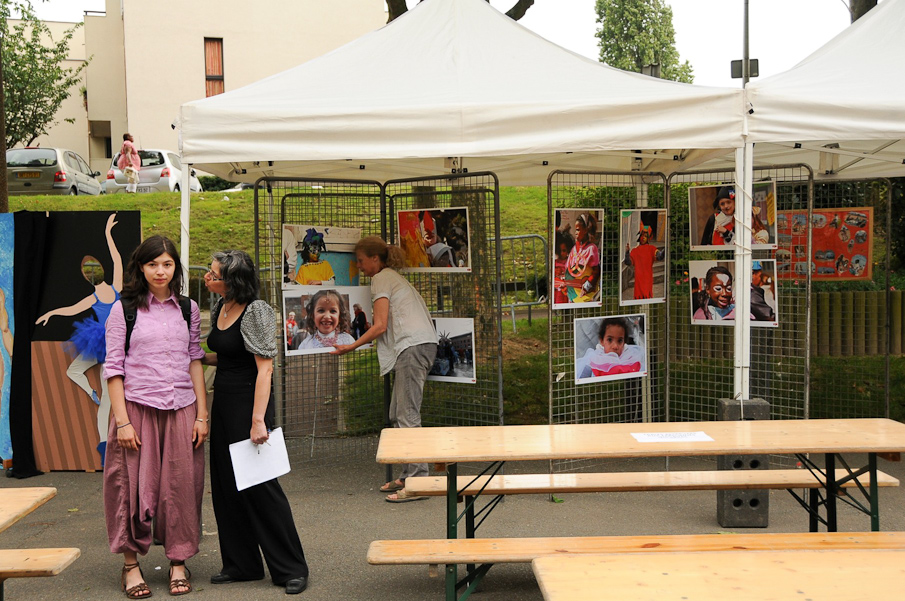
[140, 590]
[180, 582]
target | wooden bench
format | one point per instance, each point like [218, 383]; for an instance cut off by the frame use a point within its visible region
[519, 484]
[33, 563]
[434, 552]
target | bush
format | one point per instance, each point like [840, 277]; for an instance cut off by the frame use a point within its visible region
[212, 183]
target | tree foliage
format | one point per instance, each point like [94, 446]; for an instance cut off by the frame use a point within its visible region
[636, 33]
[396, 8]
[35, 81]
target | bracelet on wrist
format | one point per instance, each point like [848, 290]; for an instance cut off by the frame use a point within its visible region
[124, 425]
[198, 419]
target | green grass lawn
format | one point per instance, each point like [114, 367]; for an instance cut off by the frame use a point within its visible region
[221, 220]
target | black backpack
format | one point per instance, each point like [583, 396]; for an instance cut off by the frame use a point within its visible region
[129, 313]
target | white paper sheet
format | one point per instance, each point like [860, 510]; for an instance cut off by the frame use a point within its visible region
[671, 437]
[257, 463]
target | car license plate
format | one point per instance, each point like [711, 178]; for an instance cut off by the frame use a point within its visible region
[28, 175]
[144, 189]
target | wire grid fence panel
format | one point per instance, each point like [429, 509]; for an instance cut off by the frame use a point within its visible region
[523, 279]
[629, 400]
[330, 408]
[474, 295]
[851, 344]
[701, 366]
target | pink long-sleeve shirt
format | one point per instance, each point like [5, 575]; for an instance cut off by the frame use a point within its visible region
[156, 370]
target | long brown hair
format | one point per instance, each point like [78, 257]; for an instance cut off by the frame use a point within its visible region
[136, 289]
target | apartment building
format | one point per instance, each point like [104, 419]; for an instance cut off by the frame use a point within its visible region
[148, 58]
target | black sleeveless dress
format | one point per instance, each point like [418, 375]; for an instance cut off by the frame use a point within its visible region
[258, 517]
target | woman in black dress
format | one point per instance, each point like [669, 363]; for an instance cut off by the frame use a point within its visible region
[243, 336]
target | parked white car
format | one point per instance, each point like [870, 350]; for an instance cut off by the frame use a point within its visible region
[161, 171]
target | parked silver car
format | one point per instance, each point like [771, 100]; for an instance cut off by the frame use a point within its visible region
[49, 171]
[161, 171]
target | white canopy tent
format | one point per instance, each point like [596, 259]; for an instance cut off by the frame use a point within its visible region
[848, 93]
[456, 84]
[456, 78]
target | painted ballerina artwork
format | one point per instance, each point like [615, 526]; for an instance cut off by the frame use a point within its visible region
[87, 343]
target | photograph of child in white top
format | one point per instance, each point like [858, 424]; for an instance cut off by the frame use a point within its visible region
[610, 348]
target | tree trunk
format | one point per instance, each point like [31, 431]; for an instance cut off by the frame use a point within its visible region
[4, 183]
[860, 7]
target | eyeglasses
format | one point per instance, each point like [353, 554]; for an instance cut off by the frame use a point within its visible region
[213, 276]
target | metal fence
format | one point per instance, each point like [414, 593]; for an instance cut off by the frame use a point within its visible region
[332, 407]
[523, 278]
[831, 355]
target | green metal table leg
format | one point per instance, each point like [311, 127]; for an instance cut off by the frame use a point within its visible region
[874, 493]
[451, 526]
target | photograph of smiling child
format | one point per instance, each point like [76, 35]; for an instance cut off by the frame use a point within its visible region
[324, 316]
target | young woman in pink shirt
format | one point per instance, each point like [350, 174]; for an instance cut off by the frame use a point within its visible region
[154, 467]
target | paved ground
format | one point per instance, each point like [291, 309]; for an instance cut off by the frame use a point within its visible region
[339, 512]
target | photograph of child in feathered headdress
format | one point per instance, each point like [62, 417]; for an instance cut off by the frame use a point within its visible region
[318, 255]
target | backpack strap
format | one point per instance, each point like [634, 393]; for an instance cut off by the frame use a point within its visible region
[185, 304]
[129, 313]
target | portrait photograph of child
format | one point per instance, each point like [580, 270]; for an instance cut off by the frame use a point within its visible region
[713, 300]
[319, 317]
[435, 240]
[319, 255]
[712, 216]
[642, 273]
[610, 348]
[577, 237]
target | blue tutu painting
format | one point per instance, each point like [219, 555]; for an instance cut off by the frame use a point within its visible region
[87, 343]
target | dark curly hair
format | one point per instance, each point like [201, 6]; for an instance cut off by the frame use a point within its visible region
[615, 321]
[136, 289]
[239, 275]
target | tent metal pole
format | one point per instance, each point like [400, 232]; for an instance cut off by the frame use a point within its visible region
[184, 225]
[744, 173]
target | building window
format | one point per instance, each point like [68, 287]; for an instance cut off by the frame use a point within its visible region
[213, 66]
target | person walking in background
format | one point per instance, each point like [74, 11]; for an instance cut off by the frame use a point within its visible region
[155, 460]
[129, 163]
[406, 343]
[258, 519]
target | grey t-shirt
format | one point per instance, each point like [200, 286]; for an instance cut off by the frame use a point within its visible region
[409, 322]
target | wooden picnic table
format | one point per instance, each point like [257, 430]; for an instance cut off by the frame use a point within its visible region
[15, 504]
[815, 575]
[803, 438]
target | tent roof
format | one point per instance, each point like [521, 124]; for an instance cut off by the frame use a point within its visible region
[456, 78]
[849, 92]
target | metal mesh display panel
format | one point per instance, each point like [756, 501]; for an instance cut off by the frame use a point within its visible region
[702, 356]
[474, 295]
[850, 344]
[628, 400]
[330, 407]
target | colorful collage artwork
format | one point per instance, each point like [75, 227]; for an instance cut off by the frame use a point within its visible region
[842, 241]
